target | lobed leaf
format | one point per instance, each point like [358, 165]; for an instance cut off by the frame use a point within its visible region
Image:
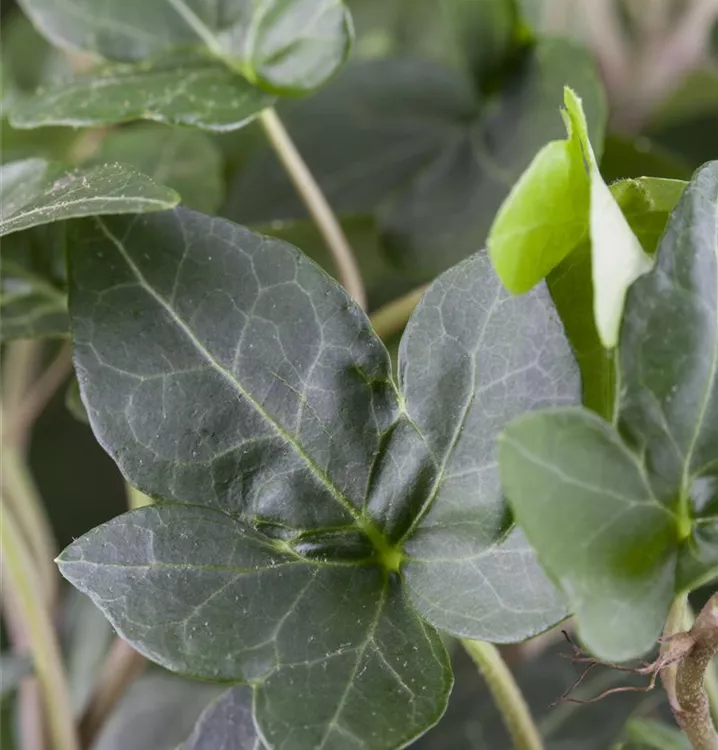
[35, 192]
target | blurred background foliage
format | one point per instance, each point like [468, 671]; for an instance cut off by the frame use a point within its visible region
[420, 78]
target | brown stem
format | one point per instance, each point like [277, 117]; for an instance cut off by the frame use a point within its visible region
[122, 666]
[692, 711]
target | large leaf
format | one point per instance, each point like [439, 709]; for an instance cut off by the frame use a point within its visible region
[227, 724]
[35, 192]
[187, 89]
[472, 358]
[188, 586]
[260, 392]
[33, 297]
[646, 203]
[285, 45]
[610, 513]
[414, 143]
[185, 160]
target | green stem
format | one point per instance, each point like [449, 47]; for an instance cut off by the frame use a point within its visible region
[43, 641]
[392, 317]
[507, 695]
[317, 205]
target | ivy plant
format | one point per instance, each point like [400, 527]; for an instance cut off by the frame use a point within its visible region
[480, 400]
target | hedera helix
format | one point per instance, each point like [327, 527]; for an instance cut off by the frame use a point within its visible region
[320, 519]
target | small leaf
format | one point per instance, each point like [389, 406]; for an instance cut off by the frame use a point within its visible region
[472, 358]
[185, 160]
[546, 213]
[33, 296]
[646, 203]
[187, 89]
[654, 735]
[227, 724]
[584, 502]
[287, 46]
[37, 192]
[73, 402]
[162, 574]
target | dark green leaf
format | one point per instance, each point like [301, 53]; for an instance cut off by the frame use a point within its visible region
[190, 89]
[286, 45]
[33, 297]
[275, 390]
[12, 671]
[185, 160]
[35, 192]
[226, 724]
[187, 586]
[625, 158]
[472, 358]
[646, 204]
[157, 712]
[413, 142]
[584, 501]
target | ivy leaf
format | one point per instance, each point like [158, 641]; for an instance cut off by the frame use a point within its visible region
[226, 723]
[185, 160]
[180, 583]
[185, 89]
[413, 142]
[287, 46]
[35, 192]
[583, 500]
[472, 358]
[616, 559]
[646, 203]
[33, 297]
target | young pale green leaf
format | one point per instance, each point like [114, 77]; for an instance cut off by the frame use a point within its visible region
[288, 46]
[226, 724]
[472, 358]
[187, 89]
[646, 203]
[253, 383]
[185, 160]
[413, 143]
[34, 191]
[33, 299]
[586, 505]
[546, 213]
[188, 587]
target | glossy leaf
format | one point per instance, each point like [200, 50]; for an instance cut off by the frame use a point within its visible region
[610, 513]
[33, 296]
[646, 203]
[472, 358]
[226, 724]
[37, 192]
[413, 142]
[286, 45]
[185, 160]
[188, 89]
[187, 586]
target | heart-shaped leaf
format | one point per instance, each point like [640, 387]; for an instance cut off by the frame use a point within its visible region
[414, 143]
[186, 89]
[33, 300]
[227, 724]
[34, 191]
[289, 46]
[472, 358]
[610, 511]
